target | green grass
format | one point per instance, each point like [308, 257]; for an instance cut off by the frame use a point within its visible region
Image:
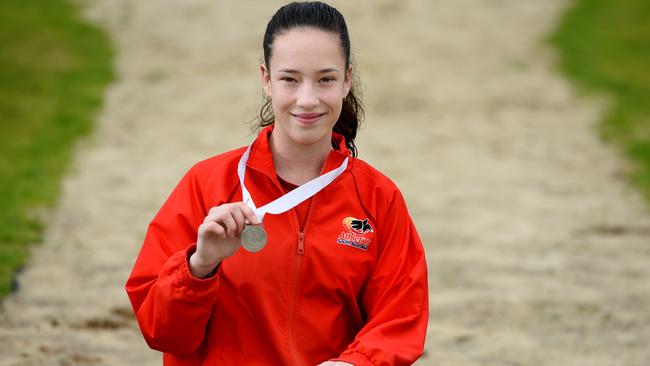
[53, 72]
[605, 48]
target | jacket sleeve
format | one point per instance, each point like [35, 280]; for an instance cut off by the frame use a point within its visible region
[396, 297]
[172, 307]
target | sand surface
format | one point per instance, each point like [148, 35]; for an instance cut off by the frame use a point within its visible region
[538, 251]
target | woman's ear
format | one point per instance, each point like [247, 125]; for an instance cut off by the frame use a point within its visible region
[347, 84]
[266, 80]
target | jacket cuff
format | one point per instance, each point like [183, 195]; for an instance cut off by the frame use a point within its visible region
[355, 357]
[185, 278]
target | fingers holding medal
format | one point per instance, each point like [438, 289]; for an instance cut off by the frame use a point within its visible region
[232, 217]
[220, 233]
[253, 237]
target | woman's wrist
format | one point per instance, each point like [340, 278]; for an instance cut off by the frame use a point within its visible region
[200, 269]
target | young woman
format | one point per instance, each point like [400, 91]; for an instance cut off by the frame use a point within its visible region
[290, 251]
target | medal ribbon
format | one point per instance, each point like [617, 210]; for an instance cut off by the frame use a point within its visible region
[291, 199]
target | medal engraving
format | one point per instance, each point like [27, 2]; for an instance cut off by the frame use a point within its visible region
[253, 238]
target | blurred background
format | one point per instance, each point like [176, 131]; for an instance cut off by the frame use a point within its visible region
[518, 132]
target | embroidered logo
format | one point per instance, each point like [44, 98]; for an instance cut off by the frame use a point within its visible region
[355, 233]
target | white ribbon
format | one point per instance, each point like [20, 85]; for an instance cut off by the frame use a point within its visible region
[291, 199]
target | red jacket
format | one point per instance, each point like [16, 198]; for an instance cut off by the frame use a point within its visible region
[340, 289]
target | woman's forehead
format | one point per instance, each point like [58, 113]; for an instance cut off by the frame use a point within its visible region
[307, 48]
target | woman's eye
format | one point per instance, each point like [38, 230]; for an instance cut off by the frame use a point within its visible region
[288, 79]
[327, 79]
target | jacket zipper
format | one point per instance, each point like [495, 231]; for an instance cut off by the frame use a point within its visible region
[301, 242]
[300, 254]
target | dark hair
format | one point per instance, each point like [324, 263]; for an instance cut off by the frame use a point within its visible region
[324, 17]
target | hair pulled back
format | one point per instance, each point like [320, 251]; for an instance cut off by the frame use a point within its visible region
[324, 17]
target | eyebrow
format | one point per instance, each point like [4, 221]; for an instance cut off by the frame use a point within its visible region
[322, 71]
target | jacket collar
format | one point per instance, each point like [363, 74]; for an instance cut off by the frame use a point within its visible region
[261, 159]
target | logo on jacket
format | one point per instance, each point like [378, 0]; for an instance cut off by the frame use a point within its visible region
[355, 234]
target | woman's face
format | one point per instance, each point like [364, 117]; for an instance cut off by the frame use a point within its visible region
[307, 82]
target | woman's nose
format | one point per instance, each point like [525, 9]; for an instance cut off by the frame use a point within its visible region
[307, 97]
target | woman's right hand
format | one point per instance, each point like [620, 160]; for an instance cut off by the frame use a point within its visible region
[219, 236]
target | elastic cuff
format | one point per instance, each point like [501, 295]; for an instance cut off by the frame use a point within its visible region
[356, 358]
[185, 277]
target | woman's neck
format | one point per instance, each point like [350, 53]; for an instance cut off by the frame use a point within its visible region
[297, 163]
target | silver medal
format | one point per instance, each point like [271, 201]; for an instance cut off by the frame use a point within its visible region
[253, 238]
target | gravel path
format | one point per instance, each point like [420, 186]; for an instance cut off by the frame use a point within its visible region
[538, 250]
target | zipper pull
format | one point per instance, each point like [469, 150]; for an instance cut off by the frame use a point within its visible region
[301, 243]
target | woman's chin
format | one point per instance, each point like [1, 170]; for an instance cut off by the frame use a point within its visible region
[309, 138]
[305, 134]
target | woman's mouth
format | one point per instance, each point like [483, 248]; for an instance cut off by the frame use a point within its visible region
[308, 117]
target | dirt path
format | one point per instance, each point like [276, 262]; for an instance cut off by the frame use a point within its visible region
[538, 252]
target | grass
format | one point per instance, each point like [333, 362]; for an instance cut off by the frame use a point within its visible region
[53, 72]
[605, 48]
